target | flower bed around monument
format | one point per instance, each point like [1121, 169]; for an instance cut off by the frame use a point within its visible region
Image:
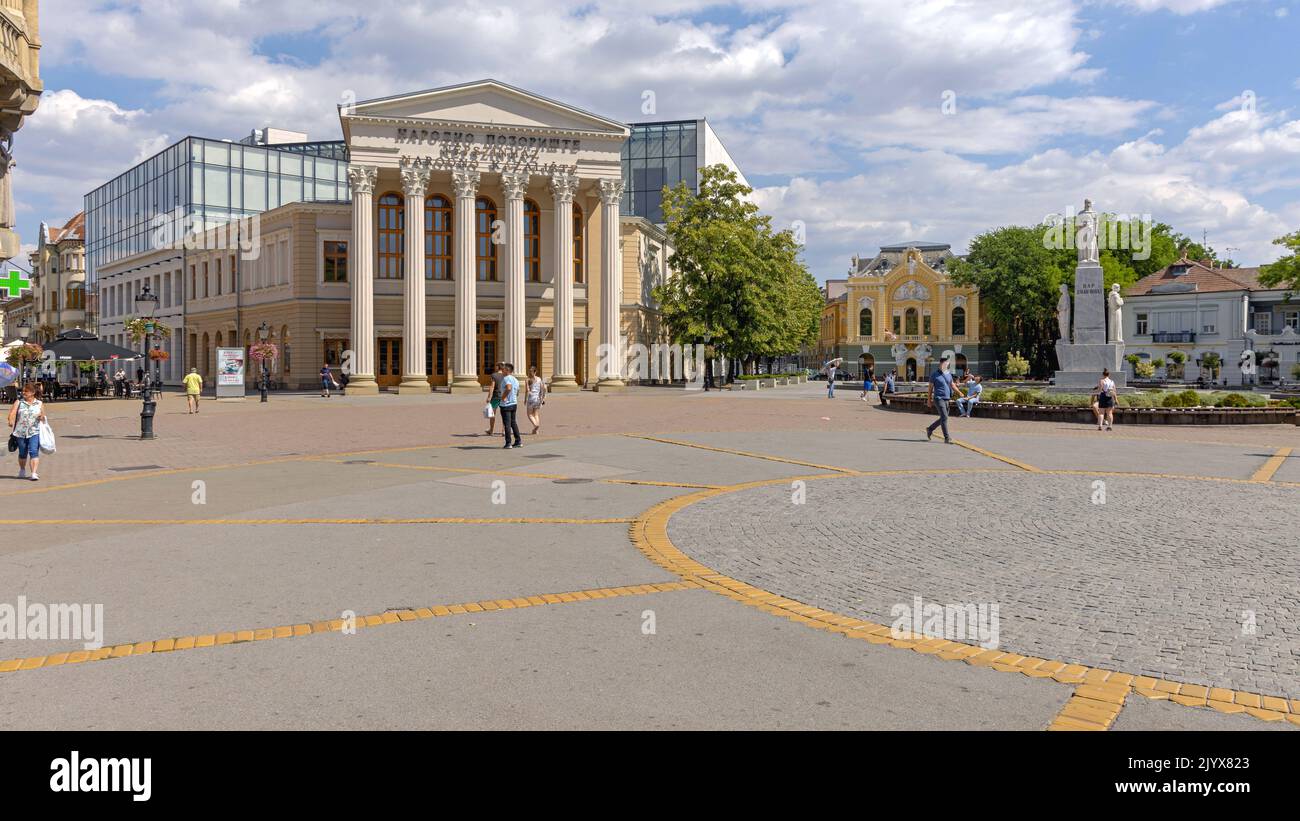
[1038, 410]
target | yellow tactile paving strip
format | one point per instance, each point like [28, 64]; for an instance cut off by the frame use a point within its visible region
[1096, 703]
[289, 631]
[1265, 473]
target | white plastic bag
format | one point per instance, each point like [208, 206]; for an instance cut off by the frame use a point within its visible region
[47, 438]
[487, 411]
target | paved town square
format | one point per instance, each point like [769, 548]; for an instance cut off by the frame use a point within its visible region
[656, 558]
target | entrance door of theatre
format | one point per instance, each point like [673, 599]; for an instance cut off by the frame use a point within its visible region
[388, 362]
[435, 360]
[487, 351]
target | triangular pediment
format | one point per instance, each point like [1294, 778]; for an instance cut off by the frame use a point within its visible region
[912, 267]
[487, 103]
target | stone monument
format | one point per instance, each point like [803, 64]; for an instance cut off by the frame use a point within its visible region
[1083, 358]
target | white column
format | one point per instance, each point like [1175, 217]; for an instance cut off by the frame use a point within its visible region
[513, 348]
[610, 355]
[362, 273]
[465, 376]
[415, 179]
[563, 186]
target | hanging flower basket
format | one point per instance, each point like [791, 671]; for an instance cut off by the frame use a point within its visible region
[137, 327]
[27, 352]
[159, 355]
[260, 351]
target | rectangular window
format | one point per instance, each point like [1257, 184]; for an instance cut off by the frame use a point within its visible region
[336, 261]
[1264, 323]
[898, 324]
[1209, 321]
[1142, 324]
[925, 324]
[1291, 319]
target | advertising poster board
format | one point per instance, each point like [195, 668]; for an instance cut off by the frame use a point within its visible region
[230, 372]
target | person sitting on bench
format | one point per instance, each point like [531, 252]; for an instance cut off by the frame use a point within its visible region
[966, 404]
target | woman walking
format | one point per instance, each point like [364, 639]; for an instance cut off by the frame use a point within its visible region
[25, 418]
[536, 398]
[1103, 405]
[494, 400]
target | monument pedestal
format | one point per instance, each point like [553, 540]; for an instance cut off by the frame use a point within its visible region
[1081, 366]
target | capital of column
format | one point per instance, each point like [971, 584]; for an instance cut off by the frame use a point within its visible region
[515, 184]
[415, 177]
[465, 182]
[362, 178]
[564, 184]
[611, 192]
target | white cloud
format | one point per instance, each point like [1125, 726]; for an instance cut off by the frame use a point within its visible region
[840, 99]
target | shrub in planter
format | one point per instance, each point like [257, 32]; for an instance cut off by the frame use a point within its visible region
[1175, 400]
[1190, 398]
[996, 395]
[1144, 370]
[1017, 367]
[1233, 400]
[1023, 398]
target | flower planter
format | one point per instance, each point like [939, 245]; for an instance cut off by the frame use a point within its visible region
[915, 403]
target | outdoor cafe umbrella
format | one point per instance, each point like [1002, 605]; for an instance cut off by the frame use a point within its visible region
[77, 345]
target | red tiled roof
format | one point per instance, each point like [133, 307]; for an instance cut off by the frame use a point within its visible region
[74, 229]
[1203, 278]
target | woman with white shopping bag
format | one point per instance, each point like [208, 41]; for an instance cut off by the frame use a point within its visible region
[27, 418]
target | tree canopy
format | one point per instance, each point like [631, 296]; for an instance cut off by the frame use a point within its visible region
[737, 284]
[1284, 273]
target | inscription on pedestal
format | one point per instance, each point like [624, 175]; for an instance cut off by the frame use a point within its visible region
[1089, 306]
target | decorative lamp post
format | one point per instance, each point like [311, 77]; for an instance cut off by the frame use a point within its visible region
[145, 305]
[264, 333]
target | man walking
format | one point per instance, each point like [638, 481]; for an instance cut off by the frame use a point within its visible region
[509, 404]
[941, 391]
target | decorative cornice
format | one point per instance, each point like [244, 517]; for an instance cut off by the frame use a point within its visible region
[611, 191]
[362, 178]
[563, 186]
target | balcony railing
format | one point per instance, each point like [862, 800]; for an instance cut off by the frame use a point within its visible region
[1173, 336]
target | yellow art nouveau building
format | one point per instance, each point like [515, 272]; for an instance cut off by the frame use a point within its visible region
[899, 310]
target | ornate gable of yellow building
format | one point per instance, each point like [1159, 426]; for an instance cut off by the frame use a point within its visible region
[912, 302]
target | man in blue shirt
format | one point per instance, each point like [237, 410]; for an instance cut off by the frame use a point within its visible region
[941, 391]
[509, 404]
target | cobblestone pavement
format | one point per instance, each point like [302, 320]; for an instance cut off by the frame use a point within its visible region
[1161, 579]
[515, 568]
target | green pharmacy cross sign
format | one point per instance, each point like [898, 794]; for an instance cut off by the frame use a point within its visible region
[14, 283]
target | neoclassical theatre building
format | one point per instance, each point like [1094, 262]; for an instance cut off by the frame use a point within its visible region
[487, 217]
[450, 229]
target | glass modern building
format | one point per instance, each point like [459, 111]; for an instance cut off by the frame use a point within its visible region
[665, 153]
[206, 183]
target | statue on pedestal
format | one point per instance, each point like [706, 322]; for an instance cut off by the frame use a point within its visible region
[1085, 233]
[1116, 314]
[1063, 313]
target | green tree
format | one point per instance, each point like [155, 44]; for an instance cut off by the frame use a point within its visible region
[1286, 271]
[1018, 279]
[737, 285]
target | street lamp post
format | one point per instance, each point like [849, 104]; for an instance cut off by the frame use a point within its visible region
[263, 333]
[145, 305]
[24, 331]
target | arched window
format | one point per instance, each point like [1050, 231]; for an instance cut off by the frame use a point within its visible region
[864, 322]
[911, 325]
[391, 225]
[437, 237]
[579, 268]
[485, 251]
[532, 242]
[76, 297]
[958, 321]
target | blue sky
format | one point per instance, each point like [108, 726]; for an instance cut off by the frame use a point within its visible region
[1188, 110]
